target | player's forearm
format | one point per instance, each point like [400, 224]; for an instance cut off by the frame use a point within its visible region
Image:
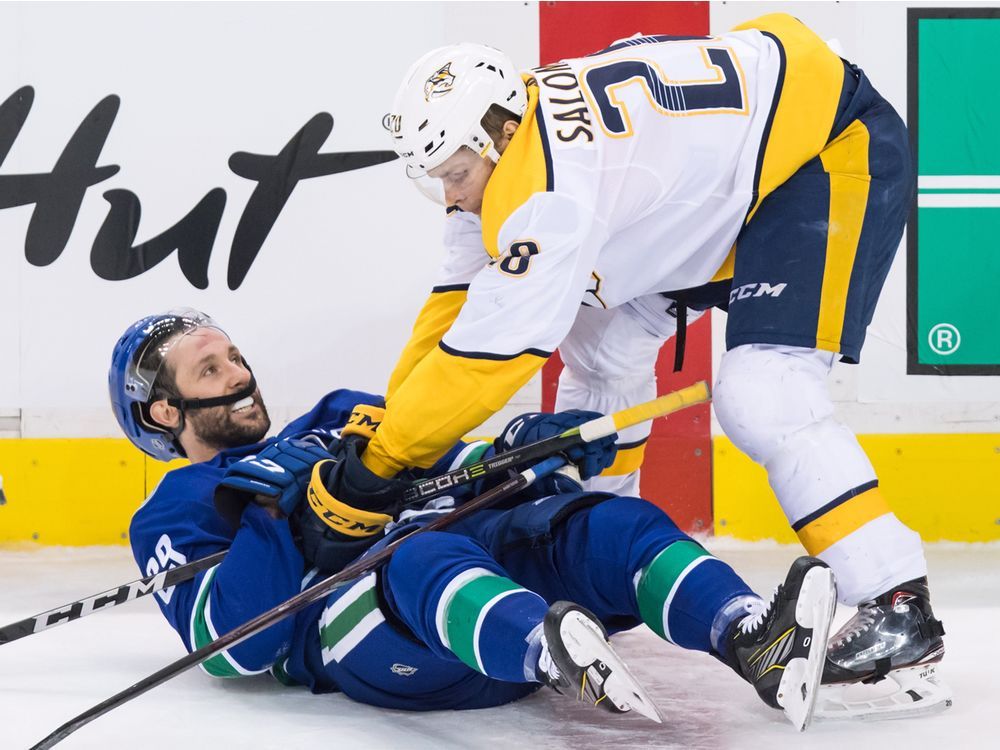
[447, 394]
[434, 320]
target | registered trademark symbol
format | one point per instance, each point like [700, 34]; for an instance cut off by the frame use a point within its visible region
[944, 339]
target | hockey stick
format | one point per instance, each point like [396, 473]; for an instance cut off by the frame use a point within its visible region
[596, 428]
[299, 601]
[107, 599]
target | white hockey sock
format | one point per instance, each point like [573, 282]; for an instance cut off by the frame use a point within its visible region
[773, 403]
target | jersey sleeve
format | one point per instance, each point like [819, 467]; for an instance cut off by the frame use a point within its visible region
[465, 257]
[518, 309]
[179, 524]
[331, 412]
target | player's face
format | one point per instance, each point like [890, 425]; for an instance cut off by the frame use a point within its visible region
[464, 175]
[207, 365]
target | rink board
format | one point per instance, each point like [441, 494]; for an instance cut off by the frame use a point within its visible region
[84, 491]
[945, 486]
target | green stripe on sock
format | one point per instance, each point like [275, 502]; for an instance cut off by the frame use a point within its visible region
[281, 674]
[463, 613]
[331, 633]
[217, 666]
[657, 581]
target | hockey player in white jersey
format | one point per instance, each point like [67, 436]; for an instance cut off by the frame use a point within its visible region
[594, 200]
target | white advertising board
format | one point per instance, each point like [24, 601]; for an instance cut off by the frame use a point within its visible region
[225, 156]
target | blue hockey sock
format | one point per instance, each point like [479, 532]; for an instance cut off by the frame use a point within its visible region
[487, 621]
[682, 591]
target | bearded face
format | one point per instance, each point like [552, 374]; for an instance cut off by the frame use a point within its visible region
[204, 364]
[223, 427]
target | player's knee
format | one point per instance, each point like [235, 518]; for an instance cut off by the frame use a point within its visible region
[765, 394]
[626, 533]
[630, 518]
[414, 554]
[421, 566]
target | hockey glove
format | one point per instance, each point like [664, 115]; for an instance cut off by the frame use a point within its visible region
[280, 473]
[591, 458]
[363, 422]
[351, 481]
[329, 532]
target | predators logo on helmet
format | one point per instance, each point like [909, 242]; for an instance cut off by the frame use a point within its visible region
[439, 84]
[440, 104]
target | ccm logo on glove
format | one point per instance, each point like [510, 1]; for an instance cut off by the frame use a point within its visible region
[338, 515]
[364, 420]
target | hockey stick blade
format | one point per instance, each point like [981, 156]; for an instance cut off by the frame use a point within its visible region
[299, 601]
[669, 403]
[107, 599]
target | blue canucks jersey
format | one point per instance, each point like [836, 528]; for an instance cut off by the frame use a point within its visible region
[388, 638]
[178, 523]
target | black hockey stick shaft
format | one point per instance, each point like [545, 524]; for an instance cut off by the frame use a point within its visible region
[596, 428]
[106, 599]
[299, 601]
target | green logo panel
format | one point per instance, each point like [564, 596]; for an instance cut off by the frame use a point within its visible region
[959, 286]
[953, 253]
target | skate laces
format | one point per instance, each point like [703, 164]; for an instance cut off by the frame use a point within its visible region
[546, 665]
[752, 622]
[855, 627]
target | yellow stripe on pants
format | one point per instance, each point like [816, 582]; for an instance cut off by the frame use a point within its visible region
[807, 100]
[845, 159]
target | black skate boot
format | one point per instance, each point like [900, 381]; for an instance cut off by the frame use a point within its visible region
[893, 636]
[780, 651]
[577, 660]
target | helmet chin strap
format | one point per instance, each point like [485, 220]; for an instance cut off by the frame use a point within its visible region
[186, 404]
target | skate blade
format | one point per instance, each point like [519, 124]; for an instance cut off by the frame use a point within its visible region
[919, 691]
[799, 686]
[586, 644]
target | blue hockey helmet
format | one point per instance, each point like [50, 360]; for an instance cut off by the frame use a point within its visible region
[135, 365]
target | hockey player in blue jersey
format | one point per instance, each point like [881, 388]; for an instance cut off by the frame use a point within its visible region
[475, 616]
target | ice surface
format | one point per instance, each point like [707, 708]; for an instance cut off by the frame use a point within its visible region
[47, 678]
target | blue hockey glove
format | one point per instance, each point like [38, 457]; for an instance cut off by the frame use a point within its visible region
[280, 472]
[591, 458]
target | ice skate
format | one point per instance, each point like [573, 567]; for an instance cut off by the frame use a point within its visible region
[780, 651]
[883, 663]
[577, 660]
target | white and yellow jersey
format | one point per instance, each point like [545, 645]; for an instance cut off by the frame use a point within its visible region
[632, 172]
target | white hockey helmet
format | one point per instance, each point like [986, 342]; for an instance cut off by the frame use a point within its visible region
[441, 102]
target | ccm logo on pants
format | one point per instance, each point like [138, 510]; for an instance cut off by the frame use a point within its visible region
[756, 290]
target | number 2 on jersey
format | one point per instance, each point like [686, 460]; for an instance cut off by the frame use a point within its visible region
[722, 91]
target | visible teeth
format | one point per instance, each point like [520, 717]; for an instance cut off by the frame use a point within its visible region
[243, 403]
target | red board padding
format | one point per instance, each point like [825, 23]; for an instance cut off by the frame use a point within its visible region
[574, 29]
[677, 473]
